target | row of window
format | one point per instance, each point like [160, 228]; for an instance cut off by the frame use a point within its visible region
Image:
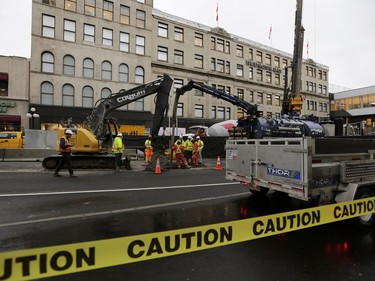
[89, 35]
[313, 106]
[311, 72]
[88, 65]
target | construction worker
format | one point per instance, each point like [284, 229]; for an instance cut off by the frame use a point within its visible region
[117, 149]
[148, 150]
[65, 150]
[195, 153]
[188, 145]
[179, 149]
[200, 148]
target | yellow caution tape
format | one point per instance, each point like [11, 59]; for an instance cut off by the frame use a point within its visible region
[64, 259]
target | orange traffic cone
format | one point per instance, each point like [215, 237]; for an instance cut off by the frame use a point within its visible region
[218, 165]
[157, 167]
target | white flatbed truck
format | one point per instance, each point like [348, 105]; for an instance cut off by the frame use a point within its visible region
[326, 170]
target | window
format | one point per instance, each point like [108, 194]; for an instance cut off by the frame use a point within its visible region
[4, 84]
[88, 68]
[251, 96]
[177, 83]
[213, 112]
[70, 5]
[107, 37]
[213, 64]
[46, 93]
[140, 45]
[162, 29]
[198, 61]
[68, 95]
[227, 47]
[48, 26]
[229, 114]
[69, 30]
[268, 59]
[260, 98]
[213, 43]
[285, 63]
[89, 33]
[268, 77]
[220, 45]
[259, 57]
[141, 1]
[140, 21]
[48, 62]
[139, 75]
[259, 75]
[277, 100]
[90, 7]
[124, 41]
[180, 109]
[178, 34]
[178, 57]
[107, 10]
[277, 79]
[239, 51]
[240, 70]
[198, 39]
[198, 111]
[106, 70]
[276, 62]
[139, 104]
[227, 67]
[220, 65]
[124, 14]
[240, 93]
[123, 75]
[251, 54]
[87, 97]
[162, 53]
[220, 112]
[251, 74]
[268, 99]
[105, 93]
[68, 65]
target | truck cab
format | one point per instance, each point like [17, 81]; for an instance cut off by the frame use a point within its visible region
[11, 139]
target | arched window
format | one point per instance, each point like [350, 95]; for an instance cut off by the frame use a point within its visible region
[68, 95]
[48, 62]
[69, 65]
[88, 68]
[139, 75]
[123, 75]
[105, 93]
[46, 93]
[88, 96]
[106, 70]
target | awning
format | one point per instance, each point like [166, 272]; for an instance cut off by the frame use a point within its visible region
[10, 118]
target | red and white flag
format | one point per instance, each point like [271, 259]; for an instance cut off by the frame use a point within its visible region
[270, 33]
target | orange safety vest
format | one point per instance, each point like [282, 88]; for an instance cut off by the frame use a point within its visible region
[67, 142]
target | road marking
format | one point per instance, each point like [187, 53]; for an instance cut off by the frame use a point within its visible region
[115, 190]
[111, 212]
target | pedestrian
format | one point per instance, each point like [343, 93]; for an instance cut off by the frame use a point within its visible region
[178, 148]
[148, 150]
[188, 145]
[195, 153]
[65, 151]
[118, 149]
[200, 148]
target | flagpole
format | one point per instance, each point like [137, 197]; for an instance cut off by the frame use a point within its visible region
[270, 35]
[217, 14]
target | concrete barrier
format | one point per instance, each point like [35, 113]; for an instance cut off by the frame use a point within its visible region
[25, 154]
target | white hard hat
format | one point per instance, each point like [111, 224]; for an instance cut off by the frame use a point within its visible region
[69, 132]
[190, 137]
[198, 137]
[119, 135]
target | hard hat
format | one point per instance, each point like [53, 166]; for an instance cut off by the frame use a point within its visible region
[198, 137]
[190, 137]
[119, 135]
[149, 136]
[69, 132]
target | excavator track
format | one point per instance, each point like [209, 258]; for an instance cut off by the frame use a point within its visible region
[105, 161]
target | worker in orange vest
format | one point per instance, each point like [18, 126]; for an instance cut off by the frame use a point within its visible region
[179, 149]
[195, 153]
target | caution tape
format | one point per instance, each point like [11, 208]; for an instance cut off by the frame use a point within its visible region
[45, 262]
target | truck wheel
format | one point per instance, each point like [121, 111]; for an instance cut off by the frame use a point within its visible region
[50, 163]
[262, 190]
[368, 219]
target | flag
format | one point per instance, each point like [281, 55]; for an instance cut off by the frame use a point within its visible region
[217, 12]
[307, 48]
[269, 34]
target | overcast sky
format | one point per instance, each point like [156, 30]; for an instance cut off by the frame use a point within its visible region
[340, 33]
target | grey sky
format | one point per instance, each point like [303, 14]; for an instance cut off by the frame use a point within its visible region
[339, 32]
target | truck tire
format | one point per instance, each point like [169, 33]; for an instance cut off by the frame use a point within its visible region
[368, 219]
[262, 190]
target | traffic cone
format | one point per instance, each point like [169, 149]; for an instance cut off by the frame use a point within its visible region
[218, 165]
[157, 167]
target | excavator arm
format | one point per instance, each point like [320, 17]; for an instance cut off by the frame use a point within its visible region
[96, 122]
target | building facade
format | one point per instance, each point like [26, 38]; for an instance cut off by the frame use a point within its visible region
[85, 50]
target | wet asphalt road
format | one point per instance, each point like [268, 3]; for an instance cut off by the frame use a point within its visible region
[38, 210]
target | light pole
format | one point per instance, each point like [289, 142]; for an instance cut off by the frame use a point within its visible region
[32, 115]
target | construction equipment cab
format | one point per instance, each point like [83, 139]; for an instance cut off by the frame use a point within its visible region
[11, 139]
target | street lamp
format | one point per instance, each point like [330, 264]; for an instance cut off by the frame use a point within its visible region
[32, 115]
